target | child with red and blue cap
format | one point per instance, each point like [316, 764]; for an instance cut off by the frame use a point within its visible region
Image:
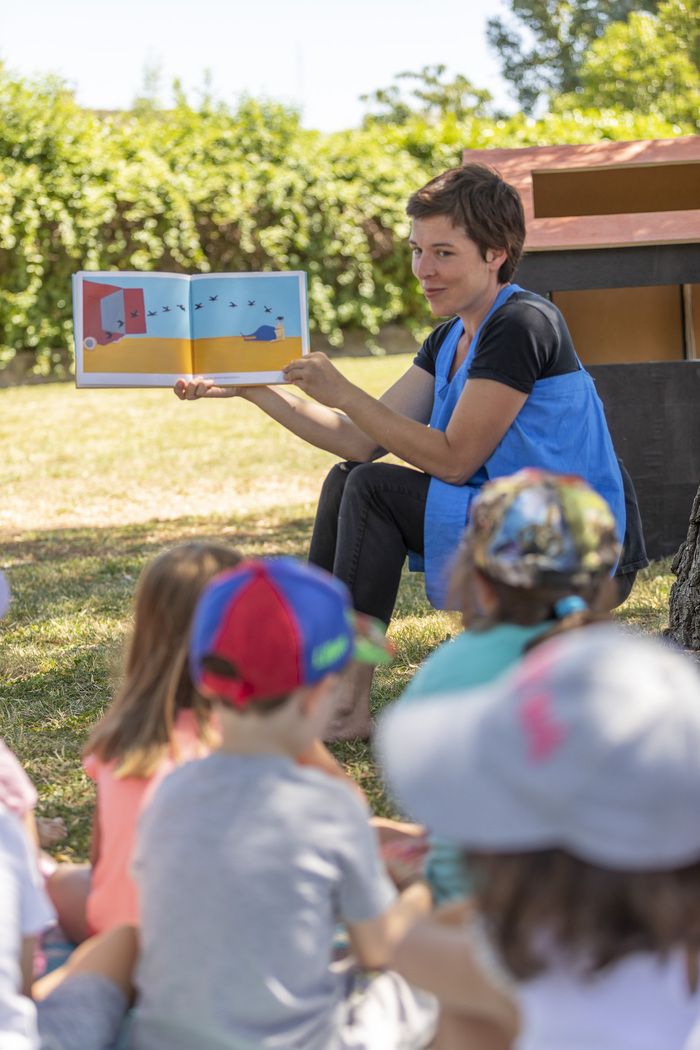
[246, 860]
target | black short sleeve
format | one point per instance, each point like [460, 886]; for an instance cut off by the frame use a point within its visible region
[526, 340]
[426, 356]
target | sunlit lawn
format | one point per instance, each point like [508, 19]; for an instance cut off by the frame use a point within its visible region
[92, 484]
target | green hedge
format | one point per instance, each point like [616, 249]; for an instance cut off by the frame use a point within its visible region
[221, 189]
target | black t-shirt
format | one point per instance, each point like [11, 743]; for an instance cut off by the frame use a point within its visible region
[525, 340]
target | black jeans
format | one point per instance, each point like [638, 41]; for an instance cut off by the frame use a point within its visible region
[369, 516]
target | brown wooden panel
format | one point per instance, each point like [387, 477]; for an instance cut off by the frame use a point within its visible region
[694, 320]
[619, 325]
[617, 190]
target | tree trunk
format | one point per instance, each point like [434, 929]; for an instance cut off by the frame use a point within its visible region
[684, 602]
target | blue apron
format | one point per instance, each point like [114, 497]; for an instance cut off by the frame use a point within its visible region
[561, 427]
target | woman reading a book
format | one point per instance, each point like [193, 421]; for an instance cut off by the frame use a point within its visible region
[495, 388]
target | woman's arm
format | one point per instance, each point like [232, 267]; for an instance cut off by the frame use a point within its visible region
[483, 414]
[319, 424]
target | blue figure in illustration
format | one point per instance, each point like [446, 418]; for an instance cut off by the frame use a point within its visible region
[266, 333]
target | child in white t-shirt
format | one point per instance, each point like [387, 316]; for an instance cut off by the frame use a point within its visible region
[82, 1005]
[572, 785]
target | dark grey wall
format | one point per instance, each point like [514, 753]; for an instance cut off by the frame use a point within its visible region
[587, 268]
[653, 412]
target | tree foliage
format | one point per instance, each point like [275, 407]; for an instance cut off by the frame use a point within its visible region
[213, 188]
[427, 94]
[648, 63]
[543, 43]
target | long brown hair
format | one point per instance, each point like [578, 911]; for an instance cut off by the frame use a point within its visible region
[549, 901]
[136, 731]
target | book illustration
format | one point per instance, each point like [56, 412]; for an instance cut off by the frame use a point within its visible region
[167, 325]
[110, 312]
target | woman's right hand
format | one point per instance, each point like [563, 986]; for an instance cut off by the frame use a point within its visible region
[198, 386]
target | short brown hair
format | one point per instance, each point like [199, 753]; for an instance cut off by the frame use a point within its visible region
[548, 900]
[478, 200]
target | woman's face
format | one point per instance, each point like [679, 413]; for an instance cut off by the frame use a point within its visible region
[448, 264]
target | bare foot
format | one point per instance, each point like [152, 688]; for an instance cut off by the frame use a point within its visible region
[50, 831]
[350, 727]
[351, 720]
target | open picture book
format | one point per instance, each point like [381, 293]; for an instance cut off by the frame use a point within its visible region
[149, 329]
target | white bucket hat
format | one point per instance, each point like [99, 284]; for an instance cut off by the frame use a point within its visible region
[591, 745]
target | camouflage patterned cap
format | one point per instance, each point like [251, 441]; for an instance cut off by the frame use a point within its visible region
[535, 528]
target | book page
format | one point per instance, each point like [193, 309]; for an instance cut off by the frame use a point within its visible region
[247, 327]
[131, 329]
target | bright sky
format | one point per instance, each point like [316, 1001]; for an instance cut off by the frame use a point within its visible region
[319, 54]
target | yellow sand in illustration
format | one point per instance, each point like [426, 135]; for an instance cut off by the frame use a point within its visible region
[142, 356]
[145, 356]
[234, 354]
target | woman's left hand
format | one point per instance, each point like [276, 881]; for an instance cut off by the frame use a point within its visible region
[321, 380]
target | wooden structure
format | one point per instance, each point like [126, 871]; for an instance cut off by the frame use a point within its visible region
[613, 238]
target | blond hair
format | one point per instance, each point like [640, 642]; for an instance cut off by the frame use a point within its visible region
[136, 731]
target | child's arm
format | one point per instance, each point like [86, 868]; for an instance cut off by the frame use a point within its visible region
[27, 965]
[318, 755]
[439, 955]
[95, 838]
[374, 941]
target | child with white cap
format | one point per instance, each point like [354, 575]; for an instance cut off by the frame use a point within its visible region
[572, 785]
[246, 860]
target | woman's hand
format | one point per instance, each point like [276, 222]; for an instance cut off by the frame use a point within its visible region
[321, 380]
[193, 389]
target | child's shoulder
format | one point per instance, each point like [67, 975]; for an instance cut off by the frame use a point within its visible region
[470, 659]
[279, 780]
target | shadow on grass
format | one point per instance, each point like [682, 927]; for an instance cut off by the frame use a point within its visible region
[62, 640]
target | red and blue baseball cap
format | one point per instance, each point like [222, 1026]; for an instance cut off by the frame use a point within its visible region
[277, 624]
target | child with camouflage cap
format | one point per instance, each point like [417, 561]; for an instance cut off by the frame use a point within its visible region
[536, 559]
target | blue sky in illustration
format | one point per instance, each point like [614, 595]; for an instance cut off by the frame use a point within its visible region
[165, 296]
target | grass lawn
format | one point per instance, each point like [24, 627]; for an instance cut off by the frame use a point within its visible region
[93, 484]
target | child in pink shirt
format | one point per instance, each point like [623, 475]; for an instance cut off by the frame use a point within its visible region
[155, 721]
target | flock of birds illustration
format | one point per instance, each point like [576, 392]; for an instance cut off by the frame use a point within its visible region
[197, 306]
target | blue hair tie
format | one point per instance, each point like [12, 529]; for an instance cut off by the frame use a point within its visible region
[573, 603]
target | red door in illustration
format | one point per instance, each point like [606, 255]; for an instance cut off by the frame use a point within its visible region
[110, 312]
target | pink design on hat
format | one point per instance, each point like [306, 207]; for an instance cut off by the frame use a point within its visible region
[544, 733]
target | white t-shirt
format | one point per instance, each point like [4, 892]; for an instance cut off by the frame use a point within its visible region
[24, 911]
[639, 1003]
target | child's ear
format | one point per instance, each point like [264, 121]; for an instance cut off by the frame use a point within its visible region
[313, 695]
[486, 597]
